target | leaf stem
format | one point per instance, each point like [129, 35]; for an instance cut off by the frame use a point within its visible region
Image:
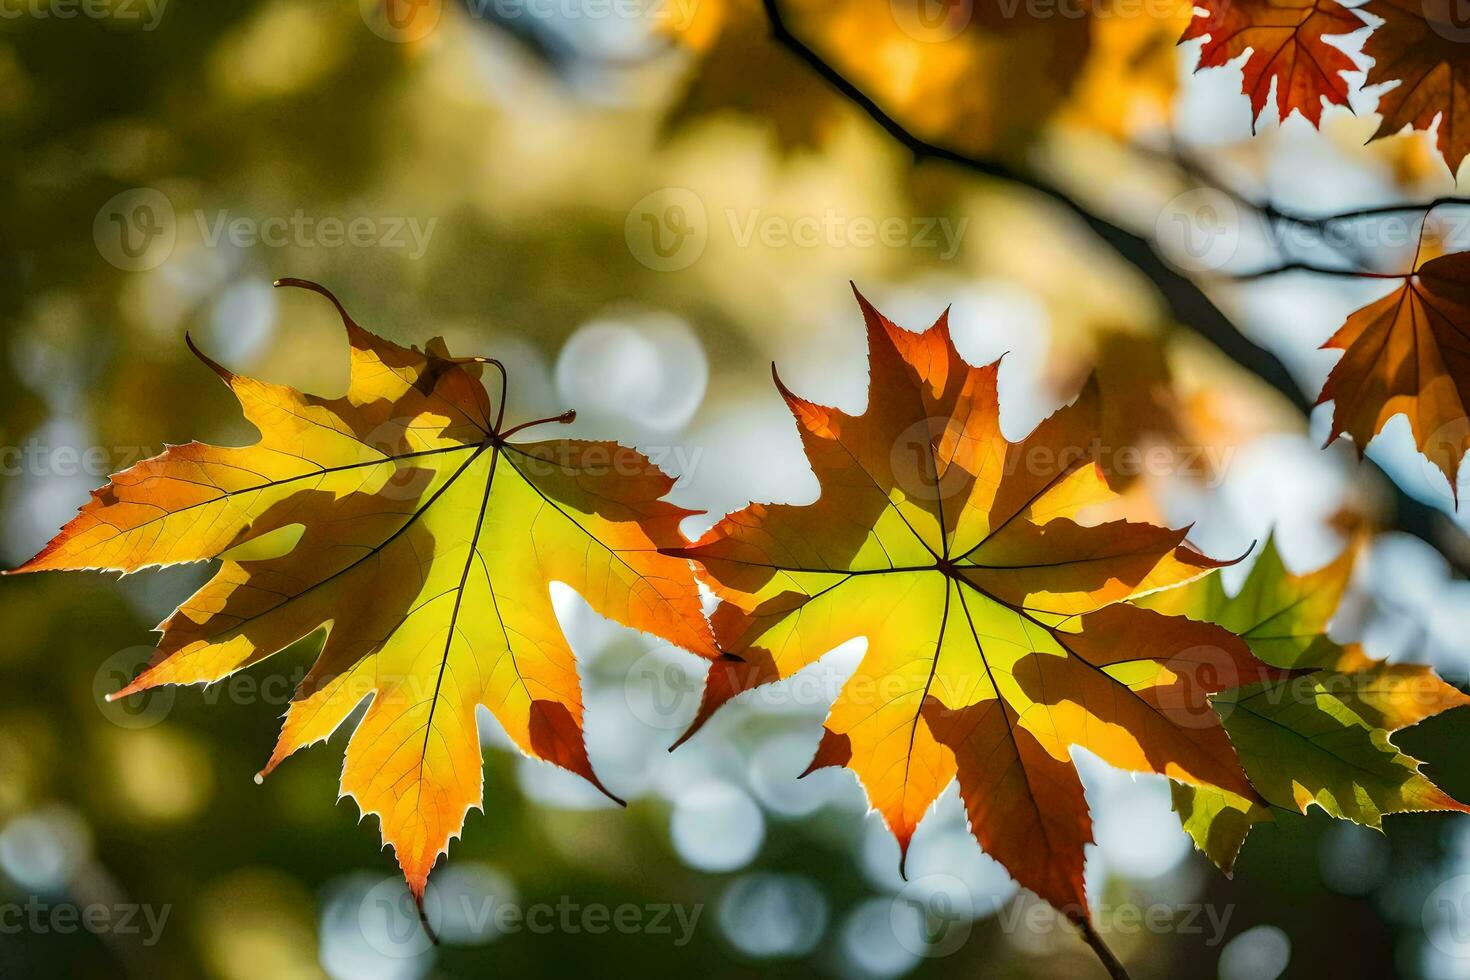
[418, 904]
[1110, 962]
[565, 418]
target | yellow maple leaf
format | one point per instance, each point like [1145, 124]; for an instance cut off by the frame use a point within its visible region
[411, 523]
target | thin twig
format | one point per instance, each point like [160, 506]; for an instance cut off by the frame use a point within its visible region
[1192, 169]
[1375, 212]
[1180, 159]
[1297, 265]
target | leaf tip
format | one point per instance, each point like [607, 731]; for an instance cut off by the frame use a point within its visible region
[225, 373]
[610, 794]
[318, 288]
[1242, 556]
[688, 734]
[870, 312]
[136, 685]
[776, 377]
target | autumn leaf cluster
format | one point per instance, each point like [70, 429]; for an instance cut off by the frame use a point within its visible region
[1004, 628]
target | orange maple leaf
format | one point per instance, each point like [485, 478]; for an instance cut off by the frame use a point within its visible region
[996, 638]
[1409, 353]
[1287, 44]
[406, 519]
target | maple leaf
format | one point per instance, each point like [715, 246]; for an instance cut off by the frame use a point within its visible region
[1409, 353]
[1317, 739]
[1421, 46]
[996, 640]
[425, 541]
[1287, 44]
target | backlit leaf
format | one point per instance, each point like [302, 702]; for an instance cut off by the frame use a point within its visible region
[996, 638]
[1409, 353]
[1320, 738]
[405, 519]
[1287, 41]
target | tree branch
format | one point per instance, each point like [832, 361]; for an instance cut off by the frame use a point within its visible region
[1186, 300]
